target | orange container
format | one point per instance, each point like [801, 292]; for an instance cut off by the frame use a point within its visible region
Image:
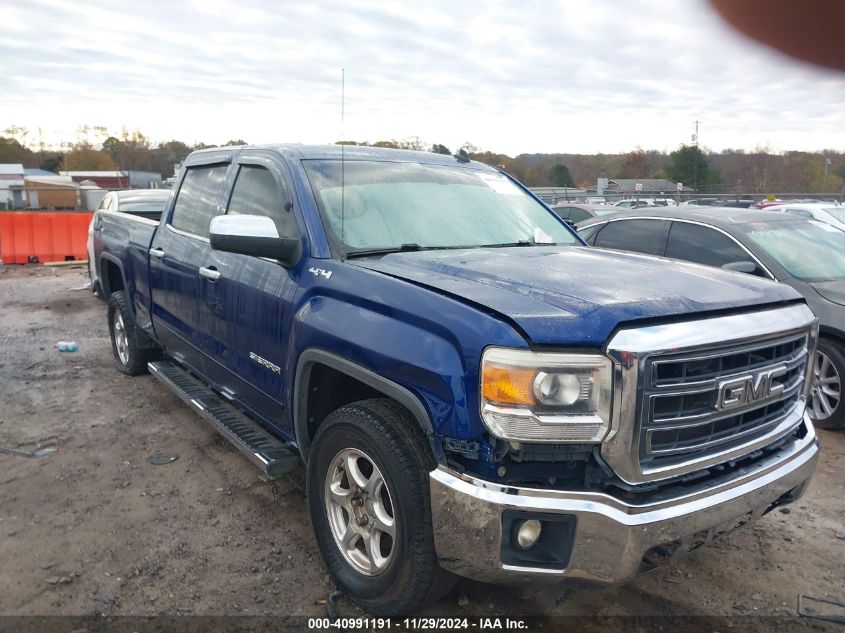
[43, 237]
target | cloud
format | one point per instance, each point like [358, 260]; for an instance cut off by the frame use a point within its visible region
[573, 76]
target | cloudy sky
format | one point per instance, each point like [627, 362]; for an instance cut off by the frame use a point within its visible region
[529, 76]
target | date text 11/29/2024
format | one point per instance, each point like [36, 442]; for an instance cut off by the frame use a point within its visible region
[417, 624]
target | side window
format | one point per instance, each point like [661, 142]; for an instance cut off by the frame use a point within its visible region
[194, 206]
[579, 214]
[105, 203]
[256, 192]
[630, 235]
[703, 245]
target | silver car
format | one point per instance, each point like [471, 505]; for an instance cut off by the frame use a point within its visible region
[145, 203]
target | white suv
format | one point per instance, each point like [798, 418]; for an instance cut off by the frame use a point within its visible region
[828, 213]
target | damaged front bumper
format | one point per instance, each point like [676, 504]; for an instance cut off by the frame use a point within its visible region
[599, 537]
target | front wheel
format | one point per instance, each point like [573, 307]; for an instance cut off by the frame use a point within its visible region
[368, 499]
[825, 405]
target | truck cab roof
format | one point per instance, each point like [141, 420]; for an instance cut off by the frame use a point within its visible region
[350, 152]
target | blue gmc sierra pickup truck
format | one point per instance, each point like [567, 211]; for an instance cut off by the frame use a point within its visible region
[472, 389]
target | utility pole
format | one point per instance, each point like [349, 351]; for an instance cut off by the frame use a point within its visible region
[695, 159]
[826, 169]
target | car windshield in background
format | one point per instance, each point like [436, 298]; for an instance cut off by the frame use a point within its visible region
[836, 212]
[810, 251]
[405, 206]
[149, 206]
[607, 211]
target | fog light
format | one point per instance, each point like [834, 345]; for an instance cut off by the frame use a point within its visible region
[528, 533]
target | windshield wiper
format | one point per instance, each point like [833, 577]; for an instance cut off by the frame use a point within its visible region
[405, 248]
[519, 243]
[413, 247]
[506, 244]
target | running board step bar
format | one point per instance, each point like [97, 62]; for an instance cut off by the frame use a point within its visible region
[270, 454]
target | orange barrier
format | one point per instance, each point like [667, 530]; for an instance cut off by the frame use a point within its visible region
[43, 237]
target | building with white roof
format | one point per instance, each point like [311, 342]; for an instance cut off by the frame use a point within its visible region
[11, 186]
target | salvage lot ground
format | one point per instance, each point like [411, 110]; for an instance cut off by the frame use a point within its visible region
[204, 535]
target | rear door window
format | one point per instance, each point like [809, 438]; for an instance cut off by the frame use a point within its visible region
[195, 201]
[578, 215]
[703, 245]
[641, 236]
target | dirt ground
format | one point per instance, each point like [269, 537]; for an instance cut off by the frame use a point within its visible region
[94, 528]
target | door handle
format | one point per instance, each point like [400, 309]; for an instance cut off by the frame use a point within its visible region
[157, 253]
[211, 274]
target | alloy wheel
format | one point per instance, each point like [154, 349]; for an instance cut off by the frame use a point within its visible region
[360, 511]
[826, 387]
[121, 342]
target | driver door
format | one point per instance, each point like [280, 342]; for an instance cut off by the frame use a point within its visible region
[249, 301]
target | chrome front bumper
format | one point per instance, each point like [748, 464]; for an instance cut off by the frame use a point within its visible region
[611, 536]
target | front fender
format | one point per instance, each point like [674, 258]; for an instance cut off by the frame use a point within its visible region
[428, 349]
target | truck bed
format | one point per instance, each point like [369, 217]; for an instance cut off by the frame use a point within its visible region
[122, 257]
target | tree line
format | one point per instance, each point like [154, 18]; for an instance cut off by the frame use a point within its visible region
[128, 150]
[732, 170]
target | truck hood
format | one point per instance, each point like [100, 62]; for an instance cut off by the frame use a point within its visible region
[831, 290]
[578, 295]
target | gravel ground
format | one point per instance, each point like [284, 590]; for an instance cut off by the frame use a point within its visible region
[93, 528]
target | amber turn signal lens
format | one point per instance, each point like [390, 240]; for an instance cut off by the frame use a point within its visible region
[508, 385]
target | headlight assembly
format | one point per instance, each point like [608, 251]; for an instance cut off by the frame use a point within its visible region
[545, 396]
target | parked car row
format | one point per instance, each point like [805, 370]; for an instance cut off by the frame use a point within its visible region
[737, 203]
[784, 246]
[574, 213]
[635, 203]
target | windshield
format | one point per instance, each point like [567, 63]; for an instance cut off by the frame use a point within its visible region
[810, 251]
[836, 212]
[152, 206]
[606, 211]
[394, 205]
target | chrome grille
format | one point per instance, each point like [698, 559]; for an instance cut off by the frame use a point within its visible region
[668, 378]
[683, 415]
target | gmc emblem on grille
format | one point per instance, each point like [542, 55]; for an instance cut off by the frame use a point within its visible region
[754, 387]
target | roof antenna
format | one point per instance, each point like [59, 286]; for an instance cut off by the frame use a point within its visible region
[342, 162]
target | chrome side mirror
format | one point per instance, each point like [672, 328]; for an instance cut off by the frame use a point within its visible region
[254, 235]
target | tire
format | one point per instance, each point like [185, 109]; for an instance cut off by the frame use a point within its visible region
[129, 358]
[825, 403]
[384, 442]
